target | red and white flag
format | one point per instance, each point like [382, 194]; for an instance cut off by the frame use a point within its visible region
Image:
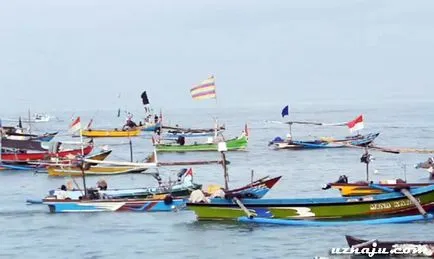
[356, 124]
[189, 172]
[75, 126]
[246, 130]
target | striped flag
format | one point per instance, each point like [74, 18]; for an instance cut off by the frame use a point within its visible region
[205, 90]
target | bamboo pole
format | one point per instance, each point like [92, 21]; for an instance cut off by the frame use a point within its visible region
[249, 214]
[414, 201]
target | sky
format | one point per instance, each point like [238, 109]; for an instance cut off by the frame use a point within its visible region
[81, 54]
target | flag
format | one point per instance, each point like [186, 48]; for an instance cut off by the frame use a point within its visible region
[20, 123]
[356, 124]
[204, 90]
[119, 112]
[145, 99]
[246, 130]
[285, 111]
[75, 126]
[189, 172]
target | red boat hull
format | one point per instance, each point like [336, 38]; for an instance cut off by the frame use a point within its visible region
[25, 157]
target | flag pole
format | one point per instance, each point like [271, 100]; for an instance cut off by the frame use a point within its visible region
[82, 162]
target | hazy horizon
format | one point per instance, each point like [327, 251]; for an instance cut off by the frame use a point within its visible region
[79, 55]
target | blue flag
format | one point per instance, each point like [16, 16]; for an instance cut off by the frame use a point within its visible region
[285, 111]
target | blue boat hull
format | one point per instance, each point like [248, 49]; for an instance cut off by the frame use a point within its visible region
[322, 223]
[63, 206]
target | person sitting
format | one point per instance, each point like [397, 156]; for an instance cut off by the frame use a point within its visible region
[102, 185]
[181, 140]
[156, 119]
[130, 124]
[197, 196]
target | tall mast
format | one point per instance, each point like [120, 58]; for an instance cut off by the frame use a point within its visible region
[83, 163]
[30, 122]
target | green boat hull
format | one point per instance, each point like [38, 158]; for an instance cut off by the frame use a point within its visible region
[232, 145]
[360, 207]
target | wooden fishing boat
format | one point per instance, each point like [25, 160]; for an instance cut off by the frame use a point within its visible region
[395, 203]
[102, 133]
[24, 156]
[176, 132]
[151, 127]
[187, 135]
[63, 171]
[357, 140]
[160, 202]
[364, 188]
[46, 137]
[234, 144]
[40, 166]
[111, 205]
[392, 248]
[361, 188]
[180, 188]
[337, 222]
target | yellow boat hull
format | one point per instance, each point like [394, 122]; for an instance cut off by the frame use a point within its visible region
[110, 133]
[95, 170]
[353, 190]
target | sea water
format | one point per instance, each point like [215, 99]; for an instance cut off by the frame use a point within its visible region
[30, 231]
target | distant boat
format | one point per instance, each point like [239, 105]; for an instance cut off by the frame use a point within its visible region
[29, 156]
[325, 142]
[239, 143]
[174, 133]
[357, 140]
[101, 133]
[39, 117]
[35, 118]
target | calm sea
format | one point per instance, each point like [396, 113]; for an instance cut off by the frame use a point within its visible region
[32, 232]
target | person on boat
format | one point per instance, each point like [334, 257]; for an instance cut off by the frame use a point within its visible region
[288, 138]
[156, 119]
[69, 185]
[181, 140]
[129, 124]
[102, 185]
[197, 196]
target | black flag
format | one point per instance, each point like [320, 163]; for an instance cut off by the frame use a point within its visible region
[145, 99]
[119, 112]
[20, 123]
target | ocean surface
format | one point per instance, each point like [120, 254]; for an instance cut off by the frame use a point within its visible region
[30, 231]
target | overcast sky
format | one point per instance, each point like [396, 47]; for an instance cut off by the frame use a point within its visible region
[80, 54]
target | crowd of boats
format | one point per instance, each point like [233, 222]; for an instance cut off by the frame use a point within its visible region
[362, 202]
